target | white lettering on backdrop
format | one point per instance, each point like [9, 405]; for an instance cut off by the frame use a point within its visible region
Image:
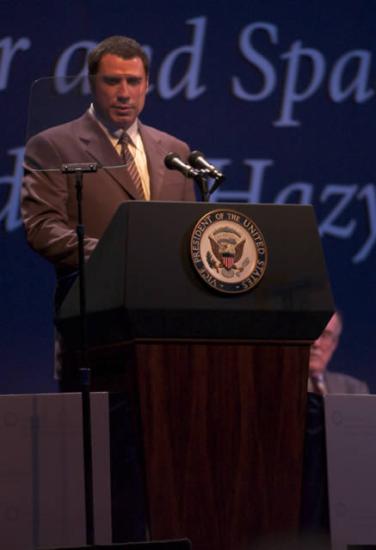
[345, 79]
[342, 221]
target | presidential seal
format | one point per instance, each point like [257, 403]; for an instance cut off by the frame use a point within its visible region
[228, 251]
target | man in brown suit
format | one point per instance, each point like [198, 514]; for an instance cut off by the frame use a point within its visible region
[119, 79]
[118, 69]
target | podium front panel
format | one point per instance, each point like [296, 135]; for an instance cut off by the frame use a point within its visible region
[141, 282]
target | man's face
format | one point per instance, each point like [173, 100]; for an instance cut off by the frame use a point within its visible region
[323, 348]
[119, 90]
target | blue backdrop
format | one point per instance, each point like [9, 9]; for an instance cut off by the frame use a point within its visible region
[280, 94]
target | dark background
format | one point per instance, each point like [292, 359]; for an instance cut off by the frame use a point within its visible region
[321, 153]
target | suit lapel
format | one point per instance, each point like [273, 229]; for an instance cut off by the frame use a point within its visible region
[100, 149]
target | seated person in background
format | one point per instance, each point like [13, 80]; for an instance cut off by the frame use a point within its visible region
[320, 379]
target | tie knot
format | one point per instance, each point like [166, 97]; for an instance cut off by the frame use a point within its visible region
[125, 139]
[125, 152]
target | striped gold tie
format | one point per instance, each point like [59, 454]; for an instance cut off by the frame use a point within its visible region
[130, 164]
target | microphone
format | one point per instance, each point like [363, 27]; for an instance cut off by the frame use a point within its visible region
[197, 160]
[174, 162]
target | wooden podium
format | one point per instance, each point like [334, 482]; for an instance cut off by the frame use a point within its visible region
[218, 381]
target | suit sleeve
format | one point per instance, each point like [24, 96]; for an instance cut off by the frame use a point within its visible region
[45, 202]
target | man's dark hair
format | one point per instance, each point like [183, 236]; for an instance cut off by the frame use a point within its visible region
[122, 46]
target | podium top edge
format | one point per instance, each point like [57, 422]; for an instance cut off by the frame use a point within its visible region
[215, 205]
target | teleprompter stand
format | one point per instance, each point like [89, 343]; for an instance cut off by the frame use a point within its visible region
[79, 170]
